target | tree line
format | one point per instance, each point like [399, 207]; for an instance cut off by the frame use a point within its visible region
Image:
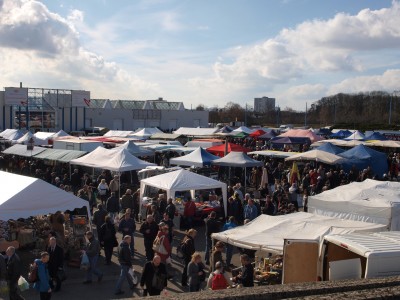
[361, 111]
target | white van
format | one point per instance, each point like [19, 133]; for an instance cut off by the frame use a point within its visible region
[344, 256]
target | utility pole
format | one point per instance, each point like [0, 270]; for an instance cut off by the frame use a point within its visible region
[245, 115]
[305, 117]
[390, 109]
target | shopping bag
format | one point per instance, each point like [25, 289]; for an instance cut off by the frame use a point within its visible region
[85, 262]
[23, 285]
[133, 276]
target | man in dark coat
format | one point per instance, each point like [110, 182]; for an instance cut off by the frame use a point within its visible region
[112, 205]
[154, 268]
[125, 261]
[13, 266]
[246, 275]
[3, 268]
[149, 229]
[212, 226]
[127, 226]
[99, 217]
[56, 263]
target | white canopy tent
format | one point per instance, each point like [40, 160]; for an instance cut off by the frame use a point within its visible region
[357, 135]
[117, 160]
[241, 129]
[183, 180]
[60, 133]
[11, 134]
[136, 150]
[273, 153]
[318, 156]
[27, 196]
[43, 135]
[368, 201]
[29, 135]
[267, 233]
[196, 131]
[146, 133]
[118, 133]
[239, 160]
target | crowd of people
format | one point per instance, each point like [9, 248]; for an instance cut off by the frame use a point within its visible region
[274, 192]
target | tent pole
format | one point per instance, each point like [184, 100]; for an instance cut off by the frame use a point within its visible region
[245, 180]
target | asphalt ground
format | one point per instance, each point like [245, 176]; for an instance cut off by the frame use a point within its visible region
[73, 288]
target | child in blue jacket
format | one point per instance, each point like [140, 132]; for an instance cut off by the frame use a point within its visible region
[43, 279]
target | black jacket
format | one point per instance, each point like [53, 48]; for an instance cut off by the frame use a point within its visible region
[13, 268]
[212, 226]
[170, 210]
[124, 254]
[153, 230]
[247, 277]
[107, 234]
[93, 247]
[2, 268]
[56, 260]
[99, 217]
[188, 248]
[112, 204]
[148, 272]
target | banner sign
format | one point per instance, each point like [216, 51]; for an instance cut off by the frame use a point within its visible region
[80, 98]
[16, 96]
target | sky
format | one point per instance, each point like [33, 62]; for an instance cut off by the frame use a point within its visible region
[202, 52]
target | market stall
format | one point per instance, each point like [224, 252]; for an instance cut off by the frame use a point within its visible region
[30, 208]
[182, 180]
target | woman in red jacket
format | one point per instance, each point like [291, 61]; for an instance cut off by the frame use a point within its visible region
[189, 213]
[164, 248]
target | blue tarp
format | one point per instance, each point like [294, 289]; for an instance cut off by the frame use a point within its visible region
[376, 136]
[330, 148]
[341, 134]
[290, 140]
[362, 156]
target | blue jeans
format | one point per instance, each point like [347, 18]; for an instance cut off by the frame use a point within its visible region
[132, 245]
[207, 250]
[229, 253]
[124, 274]
[93, 268]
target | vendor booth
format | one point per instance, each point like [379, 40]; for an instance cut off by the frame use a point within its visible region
[30, 208]
[267, 233]
[368, 201]
[183, 180]
[266, 237]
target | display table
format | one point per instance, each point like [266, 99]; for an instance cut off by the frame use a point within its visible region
[5, 244]
[25, 237]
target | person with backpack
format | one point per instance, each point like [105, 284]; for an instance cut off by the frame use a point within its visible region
[42, 283]
[108, 239]
[219, 280]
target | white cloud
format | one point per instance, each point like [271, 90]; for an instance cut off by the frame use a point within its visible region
[388, 81]
[314, 47]
[42, 49]
[299, 64]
